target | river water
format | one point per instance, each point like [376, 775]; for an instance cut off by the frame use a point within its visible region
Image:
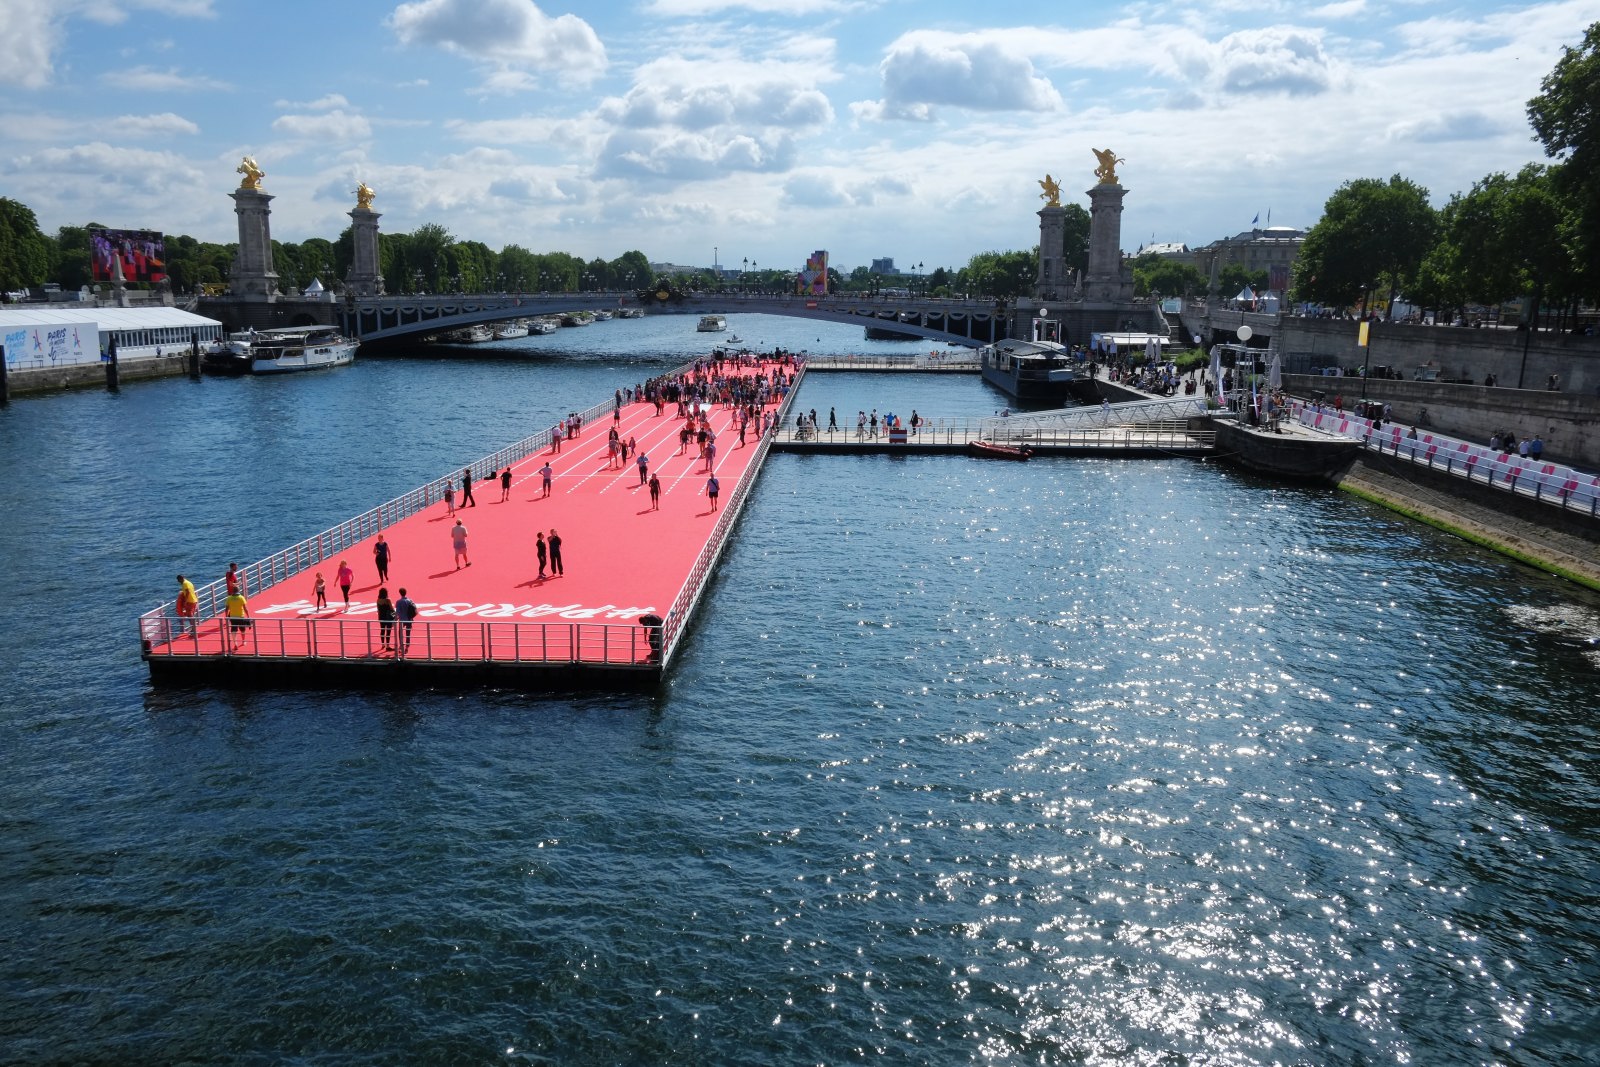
[1073, 761]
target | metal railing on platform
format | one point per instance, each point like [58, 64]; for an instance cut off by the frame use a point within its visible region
[953, 360]
[1551, 483]
[1162, 409]
[339, 637]
[683, 605]
[956, 432]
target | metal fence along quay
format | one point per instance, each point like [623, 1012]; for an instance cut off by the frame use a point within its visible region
[1550, 483]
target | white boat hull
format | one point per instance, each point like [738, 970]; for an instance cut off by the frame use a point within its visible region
[311, 357]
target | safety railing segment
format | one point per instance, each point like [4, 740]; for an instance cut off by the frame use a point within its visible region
[683, 605]
[1156, 409]
[955, 432]
[1552, 483]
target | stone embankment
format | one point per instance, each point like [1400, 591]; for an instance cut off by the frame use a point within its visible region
[1566, 543]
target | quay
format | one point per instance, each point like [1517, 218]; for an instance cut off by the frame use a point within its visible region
[633, 575]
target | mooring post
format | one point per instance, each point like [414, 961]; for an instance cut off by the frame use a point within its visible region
[194, 354]
[5, 384]
[112, 383]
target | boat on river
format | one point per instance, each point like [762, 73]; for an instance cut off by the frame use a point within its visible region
[473, 335]
[506, 331]
[543, 326]
[991, 450]
[280, 351]
[1029, 370]
[712, 324]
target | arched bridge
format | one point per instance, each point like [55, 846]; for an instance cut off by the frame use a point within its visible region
[972, 322]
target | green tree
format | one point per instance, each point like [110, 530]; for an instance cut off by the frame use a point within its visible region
[1157, 274]
[24, 251]
[1232, 280]
[1372, 233]
[1000, 274]
[521, 267]
[631, 270]
[1076, 244]
[70, 259]
[1503, 238]
[1566, 120]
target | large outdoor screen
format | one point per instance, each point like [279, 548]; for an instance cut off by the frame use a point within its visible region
[142, 253]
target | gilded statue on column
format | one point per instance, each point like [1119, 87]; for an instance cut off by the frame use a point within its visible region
[1107, 170]
[1052, 192]
[364, 195]
[252, 173]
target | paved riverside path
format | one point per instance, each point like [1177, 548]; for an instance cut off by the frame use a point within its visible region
[622, 560]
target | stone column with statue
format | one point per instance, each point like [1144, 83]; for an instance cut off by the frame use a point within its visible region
[1053, 279]
[252, 276]
[1106, 281]
[364, 278]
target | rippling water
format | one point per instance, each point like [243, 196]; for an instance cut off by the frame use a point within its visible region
[1136, 762]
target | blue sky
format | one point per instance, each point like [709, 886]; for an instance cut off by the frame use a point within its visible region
[916, 129]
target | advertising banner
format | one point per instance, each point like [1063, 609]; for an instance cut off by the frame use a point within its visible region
[70, 342]
[141, 255]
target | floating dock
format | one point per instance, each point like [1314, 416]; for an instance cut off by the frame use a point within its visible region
[632, 574]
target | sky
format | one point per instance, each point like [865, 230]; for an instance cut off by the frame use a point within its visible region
[756, 130]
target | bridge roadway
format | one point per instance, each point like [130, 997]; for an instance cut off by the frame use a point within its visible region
[966, 322]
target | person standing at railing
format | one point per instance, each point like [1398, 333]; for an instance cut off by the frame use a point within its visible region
[345, 577]
[450, 498]
[458, 540]
[234, 579]
[188, 607]
[466, 489]
[386, 615]
[405, 611]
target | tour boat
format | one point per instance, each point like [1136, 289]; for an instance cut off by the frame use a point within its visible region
[630, 313]
[1029, 370]
[712, 324]
[505, 331]
[577, 318]
[543, 326]
[602, 315]
[279, 351]
[473, 335]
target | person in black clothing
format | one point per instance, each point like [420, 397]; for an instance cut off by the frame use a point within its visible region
[554, 544]
[466, 488]
[505, 485]
[380, 556]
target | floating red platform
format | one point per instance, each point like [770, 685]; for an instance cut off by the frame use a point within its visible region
[493, 618]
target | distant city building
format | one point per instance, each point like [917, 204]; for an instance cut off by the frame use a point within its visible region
[883, 266]
[1273, 249]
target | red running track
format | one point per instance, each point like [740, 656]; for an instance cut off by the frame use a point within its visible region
[621, 560]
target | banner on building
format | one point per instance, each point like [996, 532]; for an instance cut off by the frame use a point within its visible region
[69, 342]
[140, 254]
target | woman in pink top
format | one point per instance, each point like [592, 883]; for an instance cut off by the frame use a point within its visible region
[346, 578]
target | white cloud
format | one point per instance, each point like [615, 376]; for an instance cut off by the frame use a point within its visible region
[817, 189]
[151, 125]
[510, 33]
[1447, 126]
[147, 79]
[336, 127]
[926, 69]
[30, 33]
[738, 102]
[1274, 59]
[684, 156]
[1334, 12]
[698, 8]
[326, 103]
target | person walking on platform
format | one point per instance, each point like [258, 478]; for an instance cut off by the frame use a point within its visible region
[655, 493]
[833, 420]
[644, 468]
[547, 472]
[555, 552]
[188, 607]
[540, 550]
[346, 578]
[505, 485]
[385, 617]
[466, 489]
[319, 593]
[405, 610]
[458, 540]
[713, 487]
[380, 557]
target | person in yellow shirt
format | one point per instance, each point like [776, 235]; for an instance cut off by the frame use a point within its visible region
[238, 610]
[188, 606]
